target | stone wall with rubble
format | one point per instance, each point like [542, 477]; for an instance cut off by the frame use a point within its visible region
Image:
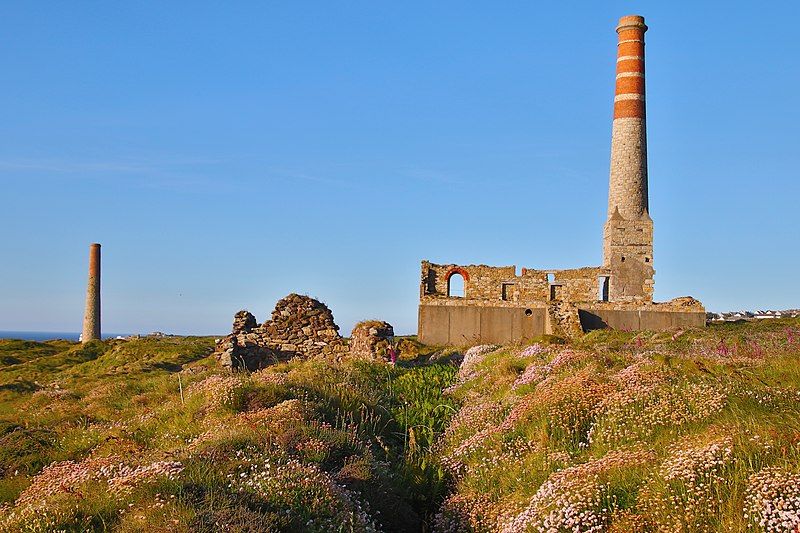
[500, 306]
[300, 326]
[501, 284]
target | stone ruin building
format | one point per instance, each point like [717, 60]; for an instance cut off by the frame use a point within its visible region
[300, 326]
[500, 305]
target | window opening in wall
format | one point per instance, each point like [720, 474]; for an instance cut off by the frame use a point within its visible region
[646, 259]
[623, 258]
[602, 293]
[556, 292]
[551, 277]
[507, 292]
[455, 285]
[528, 312]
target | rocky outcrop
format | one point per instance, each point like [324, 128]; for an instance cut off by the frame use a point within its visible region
[300, 326]
[371, 339]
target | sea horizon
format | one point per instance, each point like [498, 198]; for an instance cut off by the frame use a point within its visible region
[75, 336]
[52, 335]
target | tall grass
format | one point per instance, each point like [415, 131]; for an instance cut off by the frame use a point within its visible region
[695, 430]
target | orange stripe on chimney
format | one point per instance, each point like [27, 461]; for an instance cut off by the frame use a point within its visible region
[630, 85]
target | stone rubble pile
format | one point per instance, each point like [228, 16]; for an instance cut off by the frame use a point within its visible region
[300, 326]
[371, 339]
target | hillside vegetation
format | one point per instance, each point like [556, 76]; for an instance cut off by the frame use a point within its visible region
[695, 430]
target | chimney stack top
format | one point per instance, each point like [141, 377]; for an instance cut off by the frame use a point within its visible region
[630, 22]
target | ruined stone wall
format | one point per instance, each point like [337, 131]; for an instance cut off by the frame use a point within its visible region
[679, 312]
[300, 326]
[371, 340]
[532, 286]
[485, 284]
[574, 285]
[628, 253]
[480, 281]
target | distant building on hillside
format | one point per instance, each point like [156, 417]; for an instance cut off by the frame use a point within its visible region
[500, 305]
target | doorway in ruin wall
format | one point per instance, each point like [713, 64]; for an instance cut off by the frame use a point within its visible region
[556, 292]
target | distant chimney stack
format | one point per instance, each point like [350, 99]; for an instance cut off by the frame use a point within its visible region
[91, 319]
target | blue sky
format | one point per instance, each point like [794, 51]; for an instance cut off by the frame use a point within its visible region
[227, 154]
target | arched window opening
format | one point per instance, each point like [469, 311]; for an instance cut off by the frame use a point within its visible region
[455, 285]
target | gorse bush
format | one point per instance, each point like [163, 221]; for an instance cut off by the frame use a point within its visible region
[695, 430]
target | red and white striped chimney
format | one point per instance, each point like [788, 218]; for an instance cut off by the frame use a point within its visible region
[627, 192]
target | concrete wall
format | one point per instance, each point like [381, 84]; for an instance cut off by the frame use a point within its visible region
[643, 319]
[463, 325]
[466, 324]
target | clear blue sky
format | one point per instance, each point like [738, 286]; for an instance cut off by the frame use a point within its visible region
[226, 154]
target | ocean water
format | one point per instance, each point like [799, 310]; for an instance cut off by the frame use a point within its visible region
[49, 335]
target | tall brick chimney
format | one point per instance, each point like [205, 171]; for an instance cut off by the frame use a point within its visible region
[91, 319]
[628, 234]
[628, 184]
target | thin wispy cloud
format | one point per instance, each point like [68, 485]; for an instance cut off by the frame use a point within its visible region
[160, 174]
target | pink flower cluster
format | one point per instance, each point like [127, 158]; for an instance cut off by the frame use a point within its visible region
[643, 405]
[535, 372]
[467, 512]
[123, 478]
[576, 498]
[469, 428]
[534, 350]
[689, 497]
[62, 477]
[472, 358]
[218, 390]
[35, 509]
[302, 489]
[569, 402]
[772, 500]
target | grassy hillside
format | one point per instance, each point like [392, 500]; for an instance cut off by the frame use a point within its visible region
[695, 430]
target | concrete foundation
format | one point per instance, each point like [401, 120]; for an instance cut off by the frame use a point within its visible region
[639, 319]
[468, 324]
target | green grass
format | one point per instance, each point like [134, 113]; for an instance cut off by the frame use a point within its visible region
[410, 447]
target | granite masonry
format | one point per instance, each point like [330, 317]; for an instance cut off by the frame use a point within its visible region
[300, 326]
[91, 317]
[371, 340]
[499, 305]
